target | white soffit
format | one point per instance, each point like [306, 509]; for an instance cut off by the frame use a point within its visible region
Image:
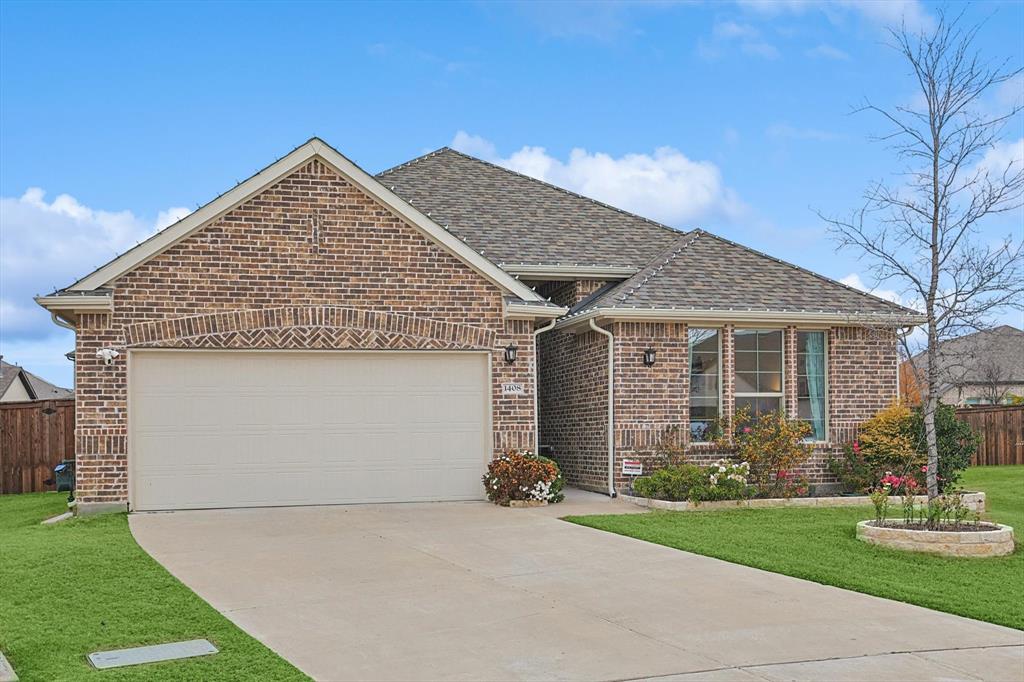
[170, 236]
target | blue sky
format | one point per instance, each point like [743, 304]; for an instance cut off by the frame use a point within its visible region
[118, 118]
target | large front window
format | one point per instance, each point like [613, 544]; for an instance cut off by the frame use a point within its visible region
[758, 370]
[705, 375]
[810, 381]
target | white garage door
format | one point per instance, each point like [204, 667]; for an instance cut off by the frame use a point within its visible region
[248, 429]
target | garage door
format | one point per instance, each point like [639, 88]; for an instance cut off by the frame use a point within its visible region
[249, 429]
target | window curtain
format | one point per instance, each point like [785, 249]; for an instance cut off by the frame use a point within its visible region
[815, 358]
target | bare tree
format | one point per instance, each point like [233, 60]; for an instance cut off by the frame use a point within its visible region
[993, 380]
[920, 233]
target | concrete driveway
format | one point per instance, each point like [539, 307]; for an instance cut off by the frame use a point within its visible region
[469, 591]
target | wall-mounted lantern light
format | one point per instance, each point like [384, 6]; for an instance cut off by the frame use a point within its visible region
[510, 353]
[649, 357]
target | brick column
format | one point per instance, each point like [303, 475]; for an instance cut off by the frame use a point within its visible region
[789, 351]
[728, 373]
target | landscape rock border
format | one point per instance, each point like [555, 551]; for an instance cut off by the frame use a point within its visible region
[969, 543]
[973, 501]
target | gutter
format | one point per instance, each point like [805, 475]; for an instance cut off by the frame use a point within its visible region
[734, 316]
[611, 405]
[536, 383]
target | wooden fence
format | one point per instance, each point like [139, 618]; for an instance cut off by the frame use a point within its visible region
[34, 437]
[1001, 428]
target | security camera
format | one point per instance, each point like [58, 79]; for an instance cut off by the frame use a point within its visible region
[107, 355]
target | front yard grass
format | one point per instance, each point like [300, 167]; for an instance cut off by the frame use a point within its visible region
[85, 585]
[821, 545]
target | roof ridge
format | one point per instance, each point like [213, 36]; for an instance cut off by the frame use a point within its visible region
[652, 270]
[538, 181]
[810, 272]
[417, 159]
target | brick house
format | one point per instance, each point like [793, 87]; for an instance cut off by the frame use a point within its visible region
[319, 335]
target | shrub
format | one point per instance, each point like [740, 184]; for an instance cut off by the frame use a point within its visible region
[886, 443]
[723, 480]
[555, 494]
[522, 476]
[955, 439]
[773, 446]
[893, 441]
[672, 483]
[852, 470]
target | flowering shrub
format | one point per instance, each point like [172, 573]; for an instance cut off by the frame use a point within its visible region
[522, 476]
[723, 480]
[880, 498]
[856, 475]
[773, 446]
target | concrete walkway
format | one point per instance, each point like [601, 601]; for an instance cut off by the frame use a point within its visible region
[469, 591]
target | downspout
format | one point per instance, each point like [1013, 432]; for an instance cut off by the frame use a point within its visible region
[611, 405]
[536, 383]
[62, 323]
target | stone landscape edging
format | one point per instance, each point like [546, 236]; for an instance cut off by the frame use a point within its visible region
[973, 501]
[969, 543]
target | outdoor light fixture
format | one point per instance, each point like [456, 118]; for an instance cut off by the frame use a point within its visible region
[649, 357]
[510, 353]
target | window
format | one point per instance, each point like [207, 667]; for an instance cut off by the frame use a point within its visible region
[758, 370]
[810, 381]
[705, 382]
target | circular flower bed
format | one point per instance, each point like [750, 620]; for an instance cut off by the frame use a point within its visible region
[964, 540]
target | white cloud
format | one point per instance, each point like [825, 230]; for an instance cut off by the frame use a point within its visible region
[879, 12]
[474, 145]
[666, 185]
[727, 34]
[1004, 157]
[47, 245]
[824, 51]
[854, 280]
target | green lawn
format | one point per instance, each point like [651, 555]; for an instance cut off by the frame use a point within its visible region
[84, 586]
[820, 545]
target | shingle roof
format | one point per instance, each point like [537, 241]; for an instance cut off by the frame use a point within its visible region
[971, 358]
[38, 389]
[701, 271]
[513, 218]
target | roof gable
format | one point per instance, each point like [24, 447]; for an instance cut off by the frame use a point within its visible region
[314, 148]
[703, 272]
[515, 219]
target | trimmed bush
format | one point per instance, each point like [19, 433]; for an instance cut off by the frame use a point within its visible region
[956, 442]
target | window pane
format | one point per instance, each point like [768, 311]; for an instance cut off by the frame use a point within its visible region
[769, 340]
[745, 339]
[746, 361]
[769, 362]
[769, 382]
[704, 340]
[765, 405]
[705, 367]
[702, 385]
[746, 382]
[811, 389]
[742, 402]
[704, 363]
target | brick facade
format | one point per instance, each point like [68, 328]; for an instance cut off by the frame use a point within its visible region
[311, 262]
[653, 401]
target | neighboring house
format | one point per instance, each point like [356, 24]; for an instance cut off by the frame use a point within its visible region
[18, 385]
[982, 368]
[208, 365]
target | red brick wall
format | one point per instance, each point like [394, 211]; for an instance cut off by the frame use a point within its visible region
[651, 401]
[569, 293]
[573, 405]
[261, 276]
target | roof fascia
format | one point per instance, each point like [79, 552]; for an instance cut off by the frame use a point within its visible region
[515, 311]
[717, 317]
